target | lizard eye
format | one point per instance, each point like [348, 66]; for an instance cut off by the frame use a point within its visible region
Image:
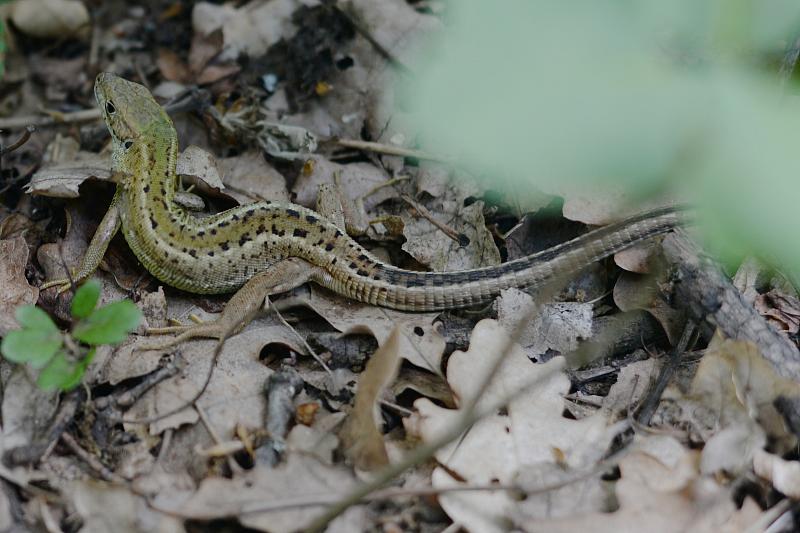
[110, 109]
[127, 144]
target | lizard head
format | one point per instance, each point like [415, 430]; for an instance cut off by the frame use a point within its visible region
[131, 114]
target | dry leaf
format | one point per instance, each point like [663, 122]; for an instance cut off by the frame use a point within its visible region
[499, 447]
[16, 290]
[234, 394]
[51, 18]
[635, 291]
[356, 180]
[250, 29]
[784, 475]
[432, 247]
[302, 477]
[361, 435]
[104, 507]
[660, 491]
[250, 178]
[781, 310]
[421, 343]
[738, 386]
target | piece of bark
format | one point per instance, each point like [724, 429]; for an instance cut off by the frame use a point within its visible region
[707, 294]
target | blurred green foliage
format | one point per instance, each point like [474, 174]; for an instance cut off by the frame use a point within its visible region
[62, 360]
[649, 95]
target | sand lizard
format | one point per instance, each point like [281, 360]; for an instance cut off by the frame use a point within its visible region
[268, 247]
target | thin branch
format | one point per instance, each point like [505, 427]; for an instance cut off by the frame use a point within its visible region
[460, 238]
[389, 149]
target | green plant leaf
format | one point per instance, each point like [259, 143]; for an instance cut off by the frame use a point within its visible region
[30, 316]
[109, 324]
[85, 299]
[62, 374]
[34, 346]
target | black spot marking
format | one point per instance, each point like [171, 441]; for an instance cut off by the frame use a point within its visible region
[193, 237]
[222, 224]
[362, 272]
[416, 281]
[364, 258]
[353, 266]
[193, 253]
[376, 277]
[329, 247]
[146, 188]
[293, 213]
[213, 231]
[163, 191]
[249, 213]
[333, 262]
[234, 217]
[319, 242]
[224, 245]
[175, 260]
[211, 254]
[299, 232]
[418, 331]
[172, 234]
[261, 229]
[244, 238]
[337, 234]
[153, 222]
[278, 232]
[184, 250]
[311, 219]
[201, 233]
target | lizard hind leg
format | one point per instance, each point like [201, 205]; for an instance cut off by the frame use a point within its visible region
[244, 305]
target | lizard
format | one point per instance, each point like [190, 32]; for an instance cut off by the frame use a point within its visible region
[267, 248]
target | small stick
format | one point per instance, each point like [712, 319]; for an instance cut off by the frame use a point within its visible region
[460, 238]
[22, 140]
[651, 402]
[389, 149]
[99, 468]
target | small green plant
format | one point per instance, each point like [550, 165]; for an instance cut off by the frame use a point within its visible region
[64, 357]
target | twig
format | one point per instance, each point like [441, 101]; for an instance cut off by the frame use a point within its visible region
[302, 339]
[389, 149]
[130, 396]
[33, 452]
[29, 129]
[667, 370]
[235, 468]
[364, 32]
[708, 294]
[99, 468]
[460, 238]
[187, 403]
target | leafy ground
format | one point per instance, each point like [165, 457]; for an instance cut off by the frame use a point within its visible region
[553, 416]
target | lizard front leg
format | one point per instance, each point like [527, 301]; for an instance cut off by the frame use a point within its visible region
[94, 253]
[244, 305]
